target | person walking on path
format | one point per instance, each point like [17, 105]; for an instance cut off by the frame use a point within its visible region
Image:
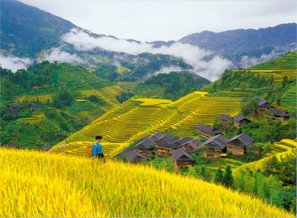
[97, 148]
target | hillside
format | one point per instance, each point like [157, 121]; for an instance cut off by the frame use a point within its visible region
[72, 186]
[23, 36]
[140, 116]
[50, 101]
[284, 62]
[173, 85]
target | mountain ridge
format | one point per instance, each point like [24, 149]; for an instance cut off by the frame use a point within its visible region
[42, 37]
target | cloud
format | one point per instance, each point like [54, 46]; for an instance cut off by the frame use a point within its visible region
[247, 61]
[56, 54]
[193, 55]
[14, 63]
[166, 70]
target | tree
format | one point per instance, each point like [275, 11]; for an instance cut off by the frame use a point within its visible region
[228, 179]
[95, 99]
[204, 174]
[63, 98]
[285, 81]
[249, 106]
[218, 176]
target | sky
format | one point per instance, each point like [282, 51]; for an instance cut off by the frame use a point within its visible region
[150, 20]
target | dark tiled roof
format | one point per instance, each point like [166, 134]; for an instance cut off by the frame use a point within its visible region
[176, 154]
[122, 152]
[217, 142]
[225, 117]
[145, 145]
[183, 141]
[262, 101]
[243, 138]
[205, 128]
[195, 143]
[280, 113]
[156, 136]
[173, 140]
[239, 118]
[132, 155]
[168, 142]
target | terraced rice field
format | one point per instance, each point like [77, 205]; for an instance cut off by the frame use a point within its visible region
[204, 109]
[30, 98]
[281, 150]
[35, 119]
[138, 117]
[278, 75]
[107, 94]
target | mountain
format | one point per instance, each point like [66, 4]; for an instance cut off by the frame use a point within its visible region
[26, 31]
[235, 44]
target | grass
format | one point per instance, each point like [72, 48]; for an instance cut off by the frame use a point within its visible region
[68, 186]
[284, 62]
[138, 117]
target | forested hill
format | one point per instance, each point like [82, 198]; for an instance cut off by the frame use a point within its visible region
[285, 62]
[24, 36]
[43, 104]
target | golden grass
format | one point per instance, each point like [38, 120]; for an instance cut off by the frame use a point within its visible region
[37, 184]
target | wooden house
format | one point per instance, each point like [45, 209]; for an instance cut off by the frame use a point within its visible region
[238, 144]
[263, 105]
[181, 159]
[280, 114]
[133, 156]
[225, 120]
[145, 147]
[166, 144]
[190, 146]
[240, 121]
[206, 131]
[216, 146]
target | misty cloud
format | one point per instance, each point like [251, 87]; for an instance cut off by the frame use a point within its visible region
[166, 70]
[247, 61]
[193, 55]
[56, 54]
[14, 63]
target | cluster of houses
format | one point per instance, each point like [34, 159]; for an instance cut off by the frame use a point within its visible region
[180, 148]
[162, 145]
[216, 145]
[263, 106]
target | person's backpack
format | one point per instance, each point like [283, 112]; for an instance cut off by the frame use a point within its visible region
[89, 150]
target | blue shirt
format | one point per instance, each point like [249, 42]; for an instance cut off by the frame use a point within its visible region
[97, 149]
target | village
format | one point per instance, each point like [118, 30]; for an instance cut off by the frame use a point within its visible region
[213, 143]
